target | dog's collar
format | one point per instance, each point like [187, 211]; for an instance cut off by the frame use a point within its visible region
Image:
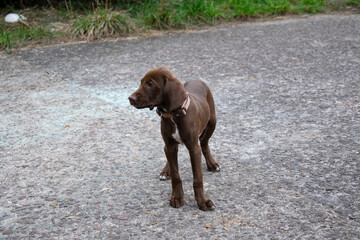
[178, 112]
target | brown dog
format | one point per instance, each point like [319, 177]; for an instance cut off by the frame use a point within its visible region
[187, 115]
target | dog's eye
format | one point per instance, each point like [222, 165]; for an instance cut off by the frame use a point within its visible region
[149, 84]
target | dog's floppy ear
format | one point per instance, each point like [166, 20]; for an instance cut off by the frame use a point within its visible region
[171, 83]
[174, 92]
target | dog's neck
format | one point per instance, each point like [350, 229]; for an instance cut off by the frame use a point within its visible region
[179, 112]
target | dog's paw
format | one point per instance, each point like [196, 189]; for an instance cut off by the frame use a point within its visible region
[214, 167]
[164, 176]
[208, 205]
[176, 202]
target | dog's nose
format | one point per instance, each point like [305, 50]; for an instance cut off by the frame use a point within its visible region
[132, 99]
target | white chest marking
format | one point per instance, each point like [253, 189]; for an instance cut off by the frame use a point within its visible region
[176, 134]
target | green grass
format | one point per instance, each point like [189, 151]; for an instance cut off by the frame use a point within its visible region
[355, 3]
[176, 14]
[97, 19]
[103, 23]
[11, 37]
[243, 8]
[5, 40]
[310, 6]
[165, 14]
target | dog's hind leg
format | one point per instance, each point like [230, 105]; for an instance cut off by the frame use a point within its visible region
[211, 164]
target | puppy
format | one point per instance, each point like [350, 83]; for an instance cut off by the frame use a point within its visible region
[187, 116]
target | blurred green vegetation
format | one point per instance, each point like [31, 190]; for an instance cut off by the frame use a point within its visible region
[49, 20]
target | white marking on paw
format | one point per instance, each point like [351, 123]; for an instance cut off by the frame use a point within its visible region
[162, 177]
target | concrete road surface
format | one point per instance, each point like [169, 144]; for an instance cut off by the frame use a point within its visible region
[77, 162]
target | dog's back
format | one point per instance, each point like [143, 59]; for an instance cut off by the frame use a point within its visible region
[202, 93]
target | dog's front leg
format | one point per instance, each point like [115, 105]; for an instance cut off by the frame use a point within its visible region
[177, 196]
[202, 201]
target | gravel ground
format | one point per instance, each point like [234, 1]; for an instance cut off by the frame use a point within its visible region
[77, 162]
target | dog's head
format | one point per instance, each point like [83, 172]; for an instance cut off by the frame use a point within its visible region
[157, 88]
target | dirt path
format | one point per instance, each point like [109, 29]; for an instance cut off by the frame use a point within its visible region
[77, 162]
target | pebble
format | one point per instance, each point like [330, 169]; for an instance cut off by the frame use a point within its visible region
[21, 197]
[7, 232]
[97, 227]
[49, 199]
[121, 217]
